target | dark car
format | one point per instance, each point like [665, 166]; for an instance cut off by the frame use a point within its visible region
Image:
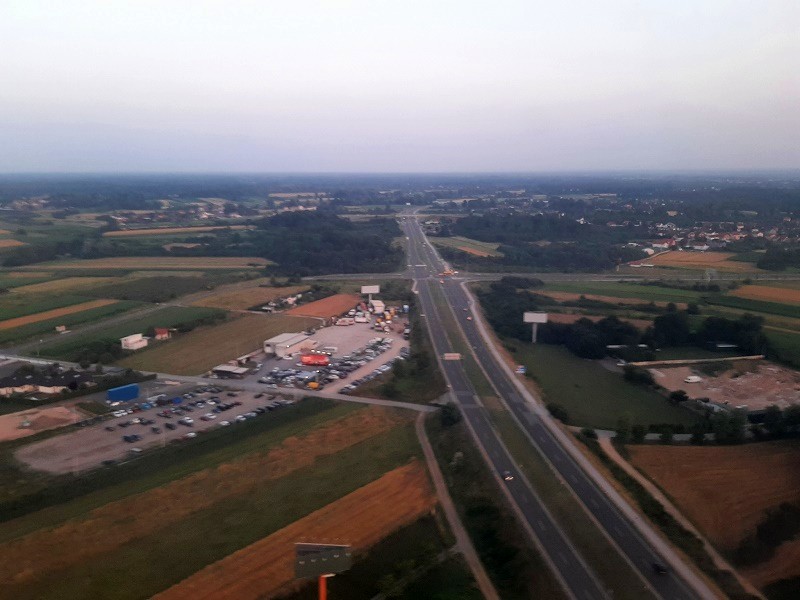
[659, 568]
[110, 428]
[170, 425]
[155, 429]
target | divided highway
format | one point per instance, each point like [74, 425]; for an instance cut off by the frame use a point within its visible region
[425, 265]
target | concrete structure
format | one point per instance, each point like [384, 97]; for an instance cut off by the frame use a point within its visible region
[133, 342]
[230, 371]
[288, 343]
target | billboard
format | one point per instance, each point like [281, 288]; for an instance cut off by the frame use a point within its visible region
[534, 317]
[370, 289]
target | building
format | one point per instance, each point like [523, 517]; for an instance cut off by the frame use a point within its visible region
[288, 343]
[230, 371]
[378, 307]
[134, 342]
[42, 381]
[162, 333]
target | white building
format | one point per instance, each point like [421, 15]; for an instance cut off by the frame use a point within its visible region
[133, 342]
[378, 307]
[288, 343]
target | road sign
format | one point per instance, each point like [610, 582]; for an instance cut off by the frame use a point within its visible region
[451, 356]
[316, 560]
[534, 317]
[520, 370]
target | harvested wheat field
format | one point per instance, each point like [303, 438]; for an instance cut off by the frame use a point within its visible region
[327, 307]
[160, 262]
[701, 260]
[55, 313]
[360, 519]
[4, 232]
[573, 297]
[10, 244]
[768, 294]
[63, 285]
[724, 490]
[571, 318]
[475, 251]
[109, 527]
[243, 299]
[172, 230]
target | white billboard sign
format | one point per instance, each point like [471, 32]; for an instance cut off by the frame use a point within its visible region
[370, 289]
[534, 317]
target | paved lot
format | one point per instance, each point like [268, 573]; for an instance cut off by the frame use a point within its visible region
[88, 447]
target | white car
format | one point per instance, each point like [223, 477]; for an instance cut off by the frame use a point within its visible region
[210, 415]
[224, 423]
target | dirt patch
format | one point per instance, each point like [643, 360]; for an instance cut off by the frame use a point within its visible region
[475, 252]
[162, 262]
[4, 232]
[327, 307]
[169, 247]
[28, 274]
[54, 314]
[11, 243]
[724, 490]
[61, 285]
[37, 419]
[247, 298]
[571, 318]
[360, 519]
[172, 230]
[768, 294]
[111, 526]
[748, 384]
[701, 260]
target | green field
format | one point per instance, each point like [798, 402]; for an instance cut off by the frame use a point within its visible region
[12, 282]
[18, 334]
[20, 305]
[136, 569]
[785, 346]
[170, 316]
[458, 243]
[592, 395]
[626, 290]
[153, 289]
[756, 306]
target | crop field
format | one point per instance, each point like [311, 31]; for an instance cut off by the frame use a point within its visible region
[725, 491]
[574, 297]
[53, 314]
[204, 263]
[10, 243]
[592, 395]
[171, 230]
[243, 299]
[468, 245]
[198, 351]
[67, 284]
[170, 316]
[702, 260]
[361, 519]
[643, 293]
[327, 307]
[781, 295]
[153, 289]
[204, 516]
[571, 318]
[19, 305]
[745, 304]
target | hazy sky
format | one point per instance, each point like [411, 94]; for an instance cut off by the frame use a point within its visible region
[502, 85]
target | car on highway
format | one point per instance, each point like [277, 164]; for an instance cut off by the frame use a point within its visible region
[469, 318]
[507, 476]
[659, 569]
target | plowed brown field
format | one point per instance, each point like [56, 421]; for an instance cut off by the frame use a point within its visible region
[11, 243]
[701, 260]
[160, 262]
[246, 298]
[724, 490]
[55, 313]
[769, 294]
[61, 285]
[475, 252]
[117, 523]
[327, 307]
[360, 519]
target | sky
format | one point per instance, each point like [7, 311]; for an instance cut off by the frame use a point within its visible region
[401, 86]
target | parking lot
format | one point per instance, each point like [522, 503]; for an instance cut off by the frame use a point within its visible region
[125, 435]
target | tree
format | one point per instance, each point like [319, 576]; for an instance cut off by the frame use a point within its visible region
[623, 430]
[638, 433]
[678, 396]
[692, 308]
[773, 421]
[666, 435]
[558, 412]
[671, 329]
[449, 415]
[729, 428]
[698, 434]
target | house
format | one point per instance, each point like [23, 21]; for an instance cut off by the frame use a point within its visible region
[162, 333]
[43, 381]
[134, 342]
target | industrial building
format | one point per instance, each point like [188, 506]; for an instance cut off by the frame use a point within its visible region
[133, 342]
[288, 343]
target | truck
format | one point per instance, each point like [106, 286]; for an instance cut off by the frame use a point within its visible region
[123, 393]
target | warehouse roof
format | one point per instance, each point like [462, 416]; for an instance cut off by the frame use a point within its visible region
[286, 338]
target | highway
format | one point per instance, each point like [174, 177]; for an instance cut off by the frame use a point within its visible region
[578, 578]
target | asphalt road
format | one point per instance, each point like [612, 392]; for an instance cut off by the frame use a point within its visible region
[425, 265]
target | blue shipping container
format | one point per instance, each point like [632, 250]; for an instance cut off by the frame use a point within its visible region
[123, 393]
[177, 400]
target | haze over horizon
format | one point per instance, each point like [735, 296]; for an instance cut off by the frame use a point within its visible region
[356, 86]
